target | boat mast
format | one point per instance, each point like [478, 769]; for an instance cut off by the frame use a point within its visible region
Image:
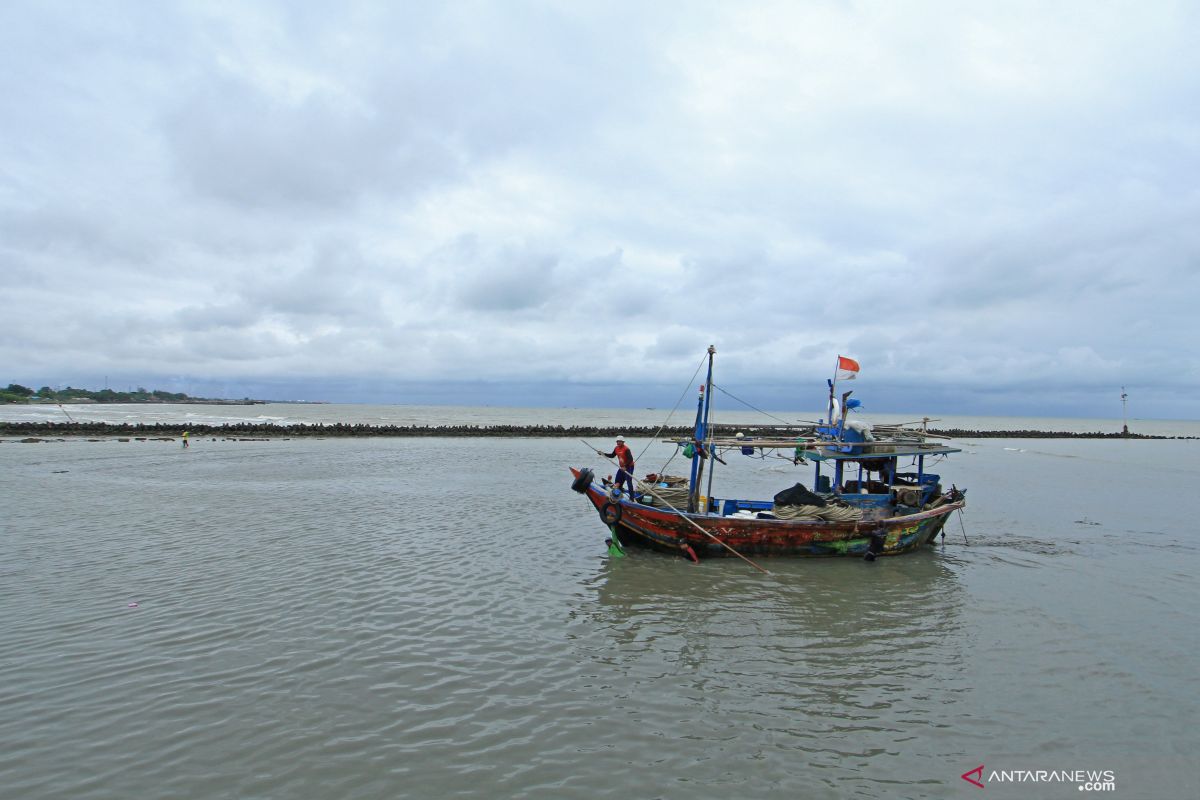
[712, 467]
[701, 432]
[697, 468]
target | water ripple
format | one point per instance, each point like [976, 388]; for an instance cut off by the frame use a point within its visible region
[378, 618]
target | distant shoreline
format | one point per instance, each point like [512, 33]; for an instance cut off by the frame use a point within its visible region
[109, 429]
[87, 401]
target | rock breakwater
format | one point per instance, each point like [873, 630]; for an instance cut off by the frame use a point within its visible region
[107, 429]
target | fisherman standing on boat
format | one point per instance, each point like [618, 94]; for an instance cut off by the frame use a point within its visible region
[624, 464]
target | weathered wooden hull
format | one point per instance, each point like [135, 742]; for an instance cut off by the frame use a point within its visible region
[668, 531]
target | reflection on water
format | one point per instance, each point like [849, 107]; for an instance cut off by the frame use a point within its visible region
[823, 661]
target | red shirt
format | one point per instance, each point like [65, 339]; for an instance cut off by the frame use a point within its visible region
[623, 455]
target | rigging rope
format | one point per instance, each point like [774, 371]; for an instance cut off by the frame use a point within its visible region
[747, 405]
[654, 438]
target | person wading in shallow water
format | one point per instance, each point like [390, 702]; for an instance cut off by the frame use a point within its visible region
[624, 464]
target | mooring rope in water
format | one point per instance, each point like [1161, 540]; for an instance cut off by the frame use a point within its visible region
[687, 519]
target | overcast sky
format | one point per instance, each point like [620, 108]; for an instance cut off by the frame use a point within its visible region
[994, 207]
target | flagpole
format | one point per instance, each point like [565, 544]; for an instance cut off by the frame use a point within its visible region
[833, 386]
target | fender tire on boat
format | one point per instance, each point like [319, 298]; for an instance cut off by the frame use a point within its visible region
[581, 483]
[610, 513]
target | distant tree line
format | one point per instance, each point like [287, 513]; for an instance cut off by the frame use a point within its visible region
[16, 393]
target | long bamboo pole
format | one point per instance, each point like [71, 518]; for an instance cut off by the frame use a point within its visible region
[691, 521]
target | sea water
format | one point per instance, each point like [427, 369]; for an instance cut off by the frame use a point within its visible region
[425, 618]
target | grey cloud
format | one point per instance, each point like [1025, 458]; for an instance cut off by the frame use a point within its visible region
[279, 190]
[677, 342]
[212, 316]
[242, 146]
[483, 278]
[334, 283]
[70, 230]
[404, 117]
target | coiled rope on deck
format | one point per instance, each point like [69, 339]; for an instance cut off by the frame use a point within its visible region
[829, 512]
[674, 492]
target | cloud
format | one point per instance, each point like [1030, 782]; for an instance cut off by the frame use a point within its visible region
[980, 204]
[239, 145]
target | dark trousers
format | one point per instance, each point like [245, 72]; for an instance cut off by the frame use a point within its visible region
[625, 479]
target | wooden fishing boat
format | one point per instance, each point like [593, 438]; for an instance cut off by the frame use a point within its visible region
[872, 492]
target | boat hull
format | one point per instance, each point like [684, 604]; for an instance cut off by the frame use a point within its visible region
[706, 535]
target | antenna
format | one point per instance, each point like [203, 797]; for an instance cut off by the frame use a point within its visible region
[1124, 412]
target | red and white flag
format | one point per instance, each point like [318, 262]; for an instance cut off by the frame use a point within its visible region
[847, 368]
